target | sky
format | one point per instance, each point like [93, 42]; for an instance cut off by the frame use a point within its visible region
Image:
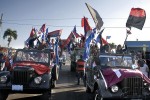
[23, 15]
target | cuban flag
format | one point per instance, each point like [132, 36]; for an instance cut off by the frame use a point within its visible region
[56, 51]
[108, 37]
[100, 39]
[87, 44]
[55, 33]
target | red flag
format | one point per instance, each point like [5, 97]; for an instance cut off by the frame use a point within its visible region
[104, 41]
[32, 33]
[87, 28]
[68, 39]
[136, 18]
[82, 21]
[43, 28]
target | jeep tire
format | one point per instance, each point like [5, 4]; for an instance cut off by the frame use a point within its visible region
[3, 95]
[97, 95]
[46, 95]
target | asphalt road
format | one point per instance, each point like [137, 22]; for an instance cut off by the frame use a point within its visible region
[66, 89]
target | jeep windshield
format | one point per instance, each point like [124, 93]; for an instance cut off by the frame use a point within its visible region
[35, 56]
[116, 61]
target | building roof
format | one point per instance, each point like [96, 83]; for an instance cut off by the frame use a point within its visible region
[137, 43]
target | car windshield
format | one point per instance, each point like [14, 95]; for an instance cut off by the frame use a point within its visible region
[32, 56]
[116, 61]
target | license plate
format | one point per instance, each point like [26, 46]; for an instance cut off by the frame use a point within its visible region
[17, 87]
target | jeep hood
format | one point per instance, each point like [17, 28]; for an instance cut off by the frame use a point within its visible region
[39, 68]
[113, 76]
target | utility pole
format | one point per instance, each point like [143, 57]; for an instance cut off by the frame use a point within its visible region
[1, 27]
[1, 19]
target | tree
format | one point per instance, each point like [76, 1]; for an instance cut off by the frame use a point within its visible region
[10, 34]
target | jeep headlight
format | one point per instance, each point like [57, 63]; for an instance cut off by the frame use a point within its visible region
[114, 88]
[148, 88]
[37, 80]
[3, 79]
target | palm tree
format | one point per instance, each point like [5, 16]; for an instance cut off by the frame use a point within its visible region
[10, 34]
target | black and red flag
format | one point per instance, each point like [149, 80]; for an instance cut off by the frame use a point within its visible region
[136, 18]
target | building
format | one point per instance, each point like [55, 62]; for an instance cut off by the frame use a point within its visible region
[142, 46]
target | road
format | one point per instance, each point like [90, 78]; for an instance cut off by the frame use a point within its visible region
[66, 89]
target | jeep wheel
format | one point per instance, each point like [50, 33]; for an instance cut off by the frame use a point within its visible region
[3, 95]
[97, 96]
[88, 90]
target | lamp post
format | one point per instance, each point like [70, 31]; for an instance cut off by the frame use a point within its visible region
[144, 50]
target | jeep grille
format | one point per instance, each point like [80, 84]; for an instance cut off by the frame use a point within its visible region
[20, 77]
[133, 86]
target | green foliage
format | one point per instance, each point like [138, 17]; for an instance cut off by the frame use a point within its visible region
[9, 34]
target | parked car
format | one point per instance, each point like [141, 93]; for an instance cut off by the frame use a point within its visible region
[31, 72]
[115, 76]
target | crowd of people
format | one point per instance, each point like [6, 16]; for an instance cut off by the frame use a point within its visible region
[5, 61]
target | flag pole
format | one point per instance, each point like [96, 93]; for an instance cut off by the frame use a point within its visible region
[126, 38]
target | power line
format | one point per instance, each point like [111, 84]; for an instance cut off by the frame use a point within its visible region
[60, 19]
[58, 25]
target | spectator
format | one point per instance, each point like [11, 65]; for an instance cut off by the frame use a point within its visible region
[120, 50]
[143, 67]
[105, 49]
[2, 61]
